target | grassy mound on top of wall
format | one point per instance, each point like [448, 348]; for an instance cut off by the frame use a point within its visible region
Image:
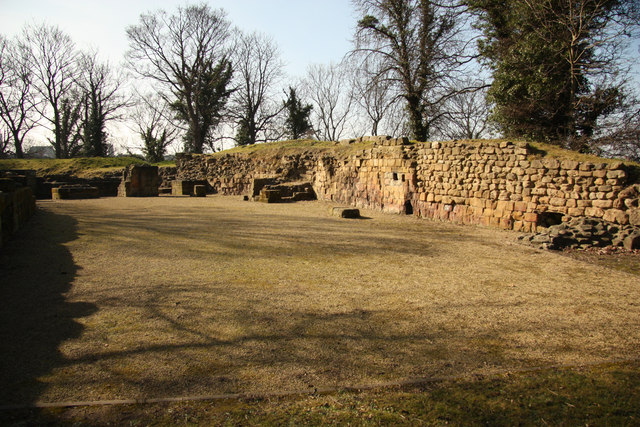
[538, 149]
[296, 146]
[81, 167]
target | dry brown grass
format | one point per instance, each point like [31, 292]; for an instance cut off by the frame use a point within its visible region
[123, 298]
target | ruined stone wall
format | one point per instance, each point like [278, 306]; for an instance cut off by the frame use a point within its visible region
[490, 183]
[16, 207]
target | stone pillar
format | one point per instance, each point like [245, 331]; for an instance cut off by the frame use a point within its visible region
[139, 181]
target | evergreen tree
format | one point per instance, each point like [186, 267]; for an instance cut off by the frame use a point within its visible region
[187, 54]
[244, 132]
[102, 100]
[297, 122]
[202, 111]
[68, 133]
[155, 144]
[555, 64]
[94, 135]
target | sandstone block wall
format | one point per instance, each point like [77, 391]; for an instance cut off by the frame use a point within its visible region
[490, 183]
[16, 208]
[139, 181]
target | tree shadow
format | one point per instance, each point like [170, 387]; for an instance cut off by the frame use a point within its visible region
[36, 270]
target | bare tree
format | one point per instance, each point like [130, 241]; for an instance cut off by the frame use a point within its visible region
[103, 101]
[17, 100]
[152, 122]
[5, 143]
[187, 53]
[258, 70]
[374, 91]
[619, 134]
[296, 124]
[466, 115]
[54, 61]
[419, 44]
[331, 95]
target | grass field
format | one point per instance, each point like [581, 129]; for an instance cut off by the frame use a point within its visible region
[167, 297]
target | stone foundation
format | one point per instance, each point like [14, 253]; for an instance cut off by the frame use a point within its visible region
[492, 183]
[185, 188]
[139, 181]
[75, 192]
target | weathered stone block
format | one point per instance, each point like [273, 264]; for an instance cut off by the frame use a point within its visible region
[602, 204]
[632, 241]
[616, 174]
[139, 181]
[617, 216]
[180, 187]
[569, 164]
[344, 212]
[74, 192]
[595, 212]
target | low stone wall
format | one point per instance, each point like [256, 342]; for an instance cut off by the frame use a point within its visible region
[107, 184]
[16, 207]
[166, 174]
[490, 183]
[139, 181]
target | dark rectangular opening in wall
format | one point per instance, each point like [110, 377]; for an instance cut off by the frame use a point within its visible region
[395, 176]
[402, 177]
[547, 219]
[408, 208]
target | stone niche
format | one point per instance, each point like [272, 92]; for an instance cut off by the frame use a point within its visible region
[181, 187]
[139, 181]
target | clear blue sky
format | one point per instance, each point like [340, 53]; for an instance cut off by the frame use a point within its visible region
[307, 31]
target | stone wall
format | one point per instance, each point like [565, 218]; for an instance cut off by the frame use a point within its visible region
[139, 181]
[16, 207]
[491, 183]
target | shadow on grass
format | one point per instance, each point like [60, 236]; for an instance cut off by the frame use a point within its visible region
[36, 271]
[601, 395]
[236, 328]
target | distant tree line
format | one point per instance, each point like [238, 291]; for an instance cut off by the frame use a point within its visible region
[555, 71]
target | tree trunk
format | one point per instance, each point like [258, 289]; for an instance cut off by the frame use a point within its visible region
[416, 122]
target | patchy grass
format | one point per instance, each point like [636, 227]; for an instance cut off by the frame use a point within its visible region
[540, 150]
[553, 151]
[82, 167]
[545, 150]
[125, 298]
[611, 258]
[295, 146]
[601, 395]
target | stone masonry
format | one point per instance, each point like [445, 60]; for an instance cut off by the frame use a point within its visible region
[493, 183]
[139, 181]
